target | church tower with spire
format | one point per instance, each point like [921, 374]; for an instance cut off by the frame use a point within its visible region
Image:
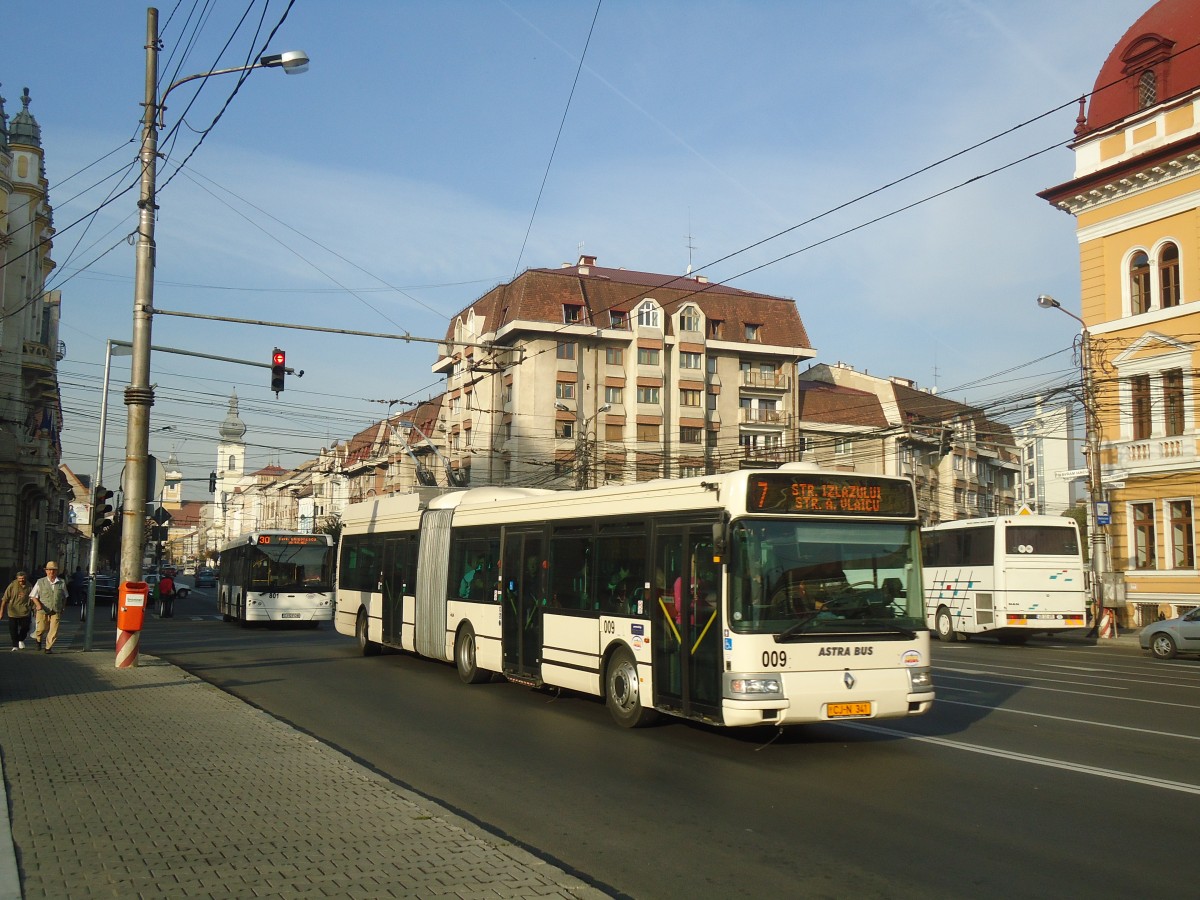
[172, 495]
[231, 461]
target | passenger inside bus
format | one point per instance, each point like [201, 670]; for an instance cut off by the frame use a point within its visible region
[473, 585]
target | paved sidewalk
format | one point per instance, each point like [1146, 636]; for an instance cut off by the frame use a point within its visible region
[148, 782]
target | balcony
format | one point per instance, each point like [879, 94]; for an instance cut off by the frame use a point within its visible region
[768, 454]
[769, 417]
[772, 381]
[1156, 452]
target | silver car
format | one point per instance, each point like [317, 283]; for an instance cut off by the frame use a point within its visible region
[1169, 637]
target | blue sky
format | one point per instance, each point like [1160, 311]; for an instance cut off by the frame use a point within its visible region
[395, 182]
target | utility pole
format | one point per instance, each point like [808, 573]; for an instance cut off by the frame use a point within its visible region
[139, 395]
[1101, 564]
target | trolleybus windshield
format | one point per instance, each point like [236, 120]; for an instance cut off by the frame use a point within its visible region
[803, 577]
[288, 564]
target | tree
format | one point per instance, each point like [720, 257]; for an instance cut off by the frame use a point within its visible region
[331, 525]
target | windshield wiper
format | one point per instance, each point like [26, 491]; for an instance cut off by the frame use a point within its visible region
[889, 627]
[792, 632]
[792, 629]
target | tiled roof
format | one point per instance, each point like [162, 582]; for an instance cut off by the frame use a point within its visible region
[539, 295]
[831, 404]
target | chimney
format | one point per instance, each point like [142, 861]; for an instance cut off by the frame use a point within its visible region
[585, 263]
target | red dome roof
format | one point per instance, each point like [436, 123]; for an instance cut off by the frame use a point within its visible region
[1159, 40]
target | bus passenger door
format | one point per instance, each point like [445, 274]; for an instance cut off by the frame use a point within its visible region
[393, 587]
[523, 579]
[687, 621]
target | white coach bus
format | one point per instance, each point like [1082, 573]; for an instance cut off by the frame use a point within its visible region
[753, 597]
[1011, 576]
[277, 576]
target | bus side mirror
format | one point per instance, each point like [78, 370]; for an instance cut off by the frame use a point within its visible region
[718, 541]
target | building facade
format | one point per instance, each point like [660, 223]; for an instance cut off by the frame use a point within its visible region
[963, 464]
[585, 375]
[1047, 443]
[35, 500]
[1135, 196]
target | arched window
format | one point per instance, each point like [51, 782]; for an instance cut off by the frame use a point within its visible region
[1147, 89]
[648, 314]
[1168, 275]
[689, 319]
[1139, 283]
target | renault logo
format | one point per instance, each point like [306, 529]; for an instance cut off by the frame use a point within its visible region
[849, 680]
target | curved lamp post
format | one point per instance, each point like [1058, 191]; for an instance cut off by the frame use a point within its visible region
[139, 395]
[1100, 561]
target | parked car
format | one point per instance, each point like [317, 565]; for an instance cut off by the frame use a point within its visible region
[206, 578]
[1169, 637]
[106, 594]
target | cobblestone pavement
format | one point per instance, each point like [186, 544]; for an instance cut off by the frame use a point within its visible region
[148, 782]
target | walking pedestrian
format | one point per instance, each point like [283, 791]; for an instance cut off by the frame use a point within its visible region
[15, 603]
[166, 597]
[49, 595]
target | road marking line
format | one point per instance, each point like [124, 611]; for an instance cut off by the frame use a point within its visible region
[1038, 687]
[1022, 712]
[1149, 781]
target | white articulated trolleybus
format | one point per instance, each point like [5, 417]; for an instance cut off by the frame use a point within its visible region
[754, 597]
[1012, 576]
[277, 576]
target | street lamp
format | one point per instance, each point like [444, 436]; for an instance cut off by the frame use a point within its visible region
[1100, 560]
[139, 395]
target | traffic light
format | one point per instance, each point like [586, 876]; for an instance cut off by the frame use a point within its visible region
[212, 482]
[278, 370]
[101, 509]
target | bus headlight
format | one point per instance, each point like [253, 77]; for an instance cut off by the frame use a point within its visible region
[920, 680]
[753, 687]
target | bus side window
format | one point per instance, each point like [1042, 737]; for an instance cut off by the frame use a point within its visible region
[570, 572]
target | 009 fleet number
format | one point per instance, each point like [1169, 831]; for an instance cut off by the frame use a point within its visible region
[774, 659]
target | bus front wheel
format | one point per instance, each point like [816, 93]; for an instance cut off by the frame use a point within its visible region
[623, 691]
[366, 646]
[943, 623]
[465, 659]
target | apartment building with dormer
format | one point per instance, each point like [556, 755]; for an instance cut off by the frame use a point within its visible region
[586, 375]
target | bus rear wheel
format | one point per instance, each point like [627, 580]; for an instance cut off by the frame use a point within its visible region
[366, 646]
[943, 624]
[623, 691]
[465, 659]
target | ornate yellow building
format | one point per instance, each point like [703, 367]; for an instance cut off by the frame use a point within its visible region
[1136, 200]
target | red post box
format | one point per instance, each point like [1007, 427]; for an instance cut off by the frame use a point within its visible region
[131, 605]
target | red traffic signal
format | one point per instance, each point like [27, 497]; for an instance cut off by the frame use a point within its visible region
[278, 369]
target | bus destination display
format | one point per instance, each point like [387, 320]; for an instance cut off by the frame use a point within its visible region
[291, 540]
[829, 495]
